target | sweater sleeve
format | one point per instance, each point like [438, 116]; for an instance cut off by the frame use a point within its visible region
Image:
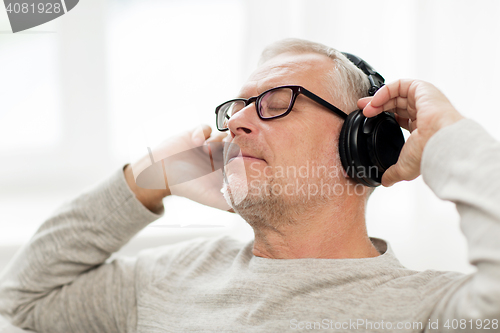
[59, 281]
[461, 164]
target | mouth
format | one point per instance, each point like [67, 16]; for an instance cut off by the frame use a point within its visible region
[234, 152]
[245, 157]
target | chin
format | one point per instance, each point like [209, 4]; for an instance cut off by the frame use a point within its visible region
[235, 189]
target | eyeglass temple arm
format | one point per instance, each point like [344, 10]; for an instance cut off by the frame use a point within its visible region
[321, 101]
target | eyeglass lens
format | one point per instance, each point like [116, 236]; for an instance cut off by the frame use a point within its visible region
[227, 111]
[275, 102]
[271, 104]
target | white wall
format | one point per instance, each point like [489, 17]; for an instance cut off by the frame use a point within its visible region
[76, 91]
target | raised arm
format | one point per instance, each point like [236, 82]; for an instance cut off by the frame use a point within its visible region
[459, 161]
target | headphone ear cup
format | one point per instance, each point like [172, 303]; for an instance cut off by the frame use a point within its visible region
[369, 146]
[385, 141]
[345, 146]
[357, 162]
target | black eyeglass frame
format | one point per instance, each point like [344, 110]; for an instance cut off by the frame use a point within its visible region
[296, 90]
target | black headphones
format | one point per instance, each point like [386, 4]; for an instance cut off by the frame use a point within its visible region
[369, 146]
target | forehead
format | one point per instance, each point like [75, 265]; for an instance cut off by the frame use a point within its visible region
[306, 69]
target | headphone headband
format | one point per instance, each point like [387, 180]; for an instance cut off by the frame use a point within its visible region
[376, 80]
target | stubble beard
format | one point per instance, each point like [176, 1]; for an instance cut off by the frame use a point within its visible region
[264, 206]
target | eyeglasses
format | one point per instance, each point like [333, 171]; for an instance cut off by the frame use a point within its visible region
[271, 104]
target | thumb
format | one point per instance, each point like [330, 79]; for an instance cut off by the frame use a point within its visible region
[391, 175]
[408, 164]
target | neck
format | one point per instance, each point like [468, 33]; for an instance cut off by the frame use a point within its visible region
[318, 233]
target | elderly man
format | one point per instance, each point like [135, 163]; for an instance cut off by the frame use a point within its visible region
[334, 277]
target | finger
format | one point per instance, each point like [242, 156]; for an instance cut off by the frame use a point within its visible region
[217, 137]
[403, 122]
[214, 139]
[408, 165]
[362, 102]
[200, 134]
[394, 93]
[396, 173]
[391, 176]
[391, 106]
[397, 105]
[399, 88]
[371, 111]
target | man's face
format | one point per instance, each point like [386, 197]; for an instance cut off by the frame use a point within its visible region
[300, 148]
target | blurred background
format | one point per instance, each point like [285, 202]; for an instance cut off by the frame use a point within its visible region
[79, 93]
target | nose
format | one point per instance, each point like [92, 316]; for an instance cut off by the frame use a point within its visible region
[244, 122]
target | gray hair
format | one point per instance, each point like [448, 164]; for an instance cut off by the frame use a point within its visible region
[345, 82]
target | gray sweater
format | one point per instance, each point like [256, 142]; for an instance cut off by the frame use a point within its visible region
[61, 281]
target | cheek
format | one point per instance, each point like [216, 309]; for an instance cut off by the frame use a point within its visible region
[324, 139]
[313, 139]
[318, 145]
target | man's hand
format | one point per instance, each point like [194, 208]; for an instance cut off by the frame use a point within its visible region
[182, 165]
[421, 109]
